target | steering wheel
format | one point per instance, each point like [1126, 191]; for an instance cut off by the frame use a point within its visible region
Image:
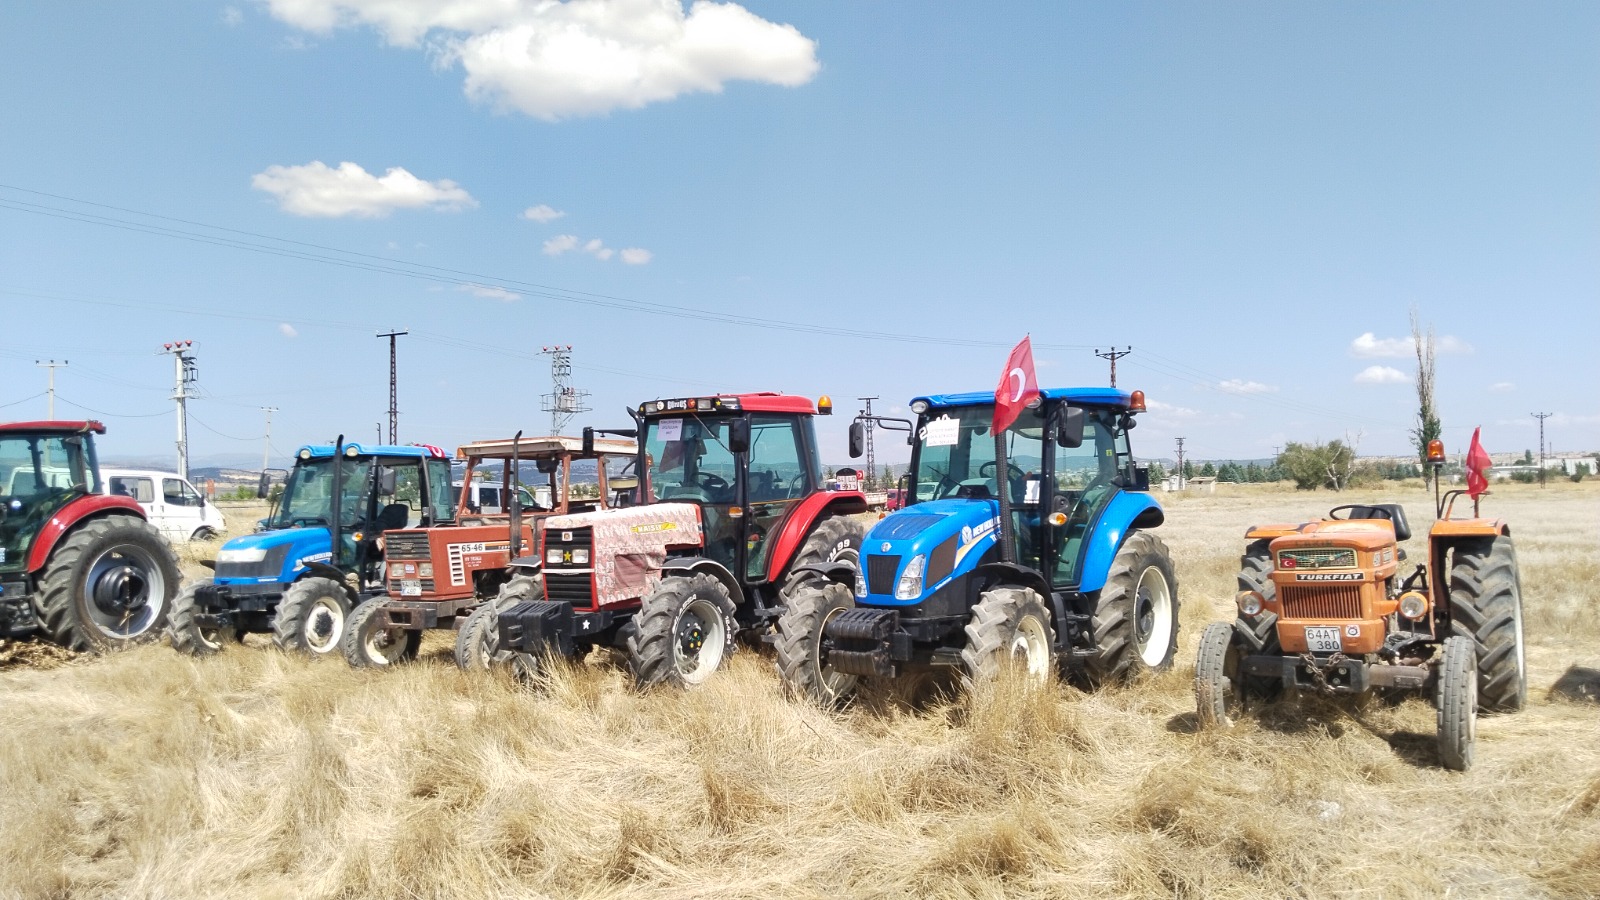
[1013, 473]
[711, 481]
[797, 484]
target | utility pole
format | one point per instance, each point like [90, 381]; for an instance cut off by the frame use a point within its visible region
[564, 401]
[185, 372]
[1541, 417]
[52, 365]
[266, 448]
[1180, 464]
[1114, 354]
[872, 468]
[394, 408]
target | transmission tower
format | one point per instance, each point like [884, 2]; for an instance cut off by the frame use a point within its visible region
[564, 401]
[394, 408]
[872, 467]
[1541, 417]
[266, 440]
[185, 372]
[1114, 354]
[1180, 464]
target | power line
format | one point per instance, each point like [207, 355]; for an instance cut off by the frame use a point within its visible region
[23, 400]
[112, 415]
[1113, 354]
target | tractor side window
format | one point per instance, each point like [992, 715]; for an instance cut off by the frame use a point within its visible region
[1084, 484]
[443, 502]
[776, 470]
[140, 490]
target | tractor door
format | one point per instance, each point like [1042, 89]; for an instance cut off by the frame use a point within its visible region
[1084, 482]
[777, 478]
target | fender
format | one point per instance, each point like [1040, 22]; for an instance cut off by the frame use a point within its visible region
[323, 570]
[74, 512]
[697, 565]
[796, 525]
[835, 571]
[1012, 573]
[533, 563]
[1127, 512]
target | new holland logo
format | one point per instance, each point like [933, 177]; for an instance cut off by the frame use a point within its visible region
[654, 527]
[1329, 576]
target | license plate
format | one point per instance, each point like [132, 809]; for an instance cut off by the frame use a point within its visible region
[1323, 640]
[412, 587]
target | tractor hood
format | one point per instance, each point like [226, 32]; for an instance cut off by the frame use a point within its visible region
[272, 555]
[950, 536]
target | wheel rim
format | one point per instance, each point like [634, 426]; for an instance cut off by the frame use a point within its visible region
[324, 625]
[384, 645]
[125, 589]
[701, 636]
[1152, 619]
[832, 682]
[209, 638]
[1031, 645]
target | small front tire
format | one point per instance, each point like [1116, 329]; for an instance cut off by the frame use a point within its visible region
[187, 635]
[1457, 703]
[371, 643]
[685, 630]
[478, 644]
[809, 608]
[312, 617]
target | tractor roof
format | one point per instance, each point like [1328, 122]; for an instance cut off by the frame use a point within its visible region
[764, 401]
[420, 451]
[554, 445]
[1087, 396]
[57, 426]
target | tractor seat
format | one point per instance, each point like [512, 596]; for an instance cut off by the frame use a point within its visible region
[393, 516]
[1393, 512]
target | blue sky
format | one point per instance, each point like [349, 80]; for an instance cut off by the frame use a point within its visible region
[883, 197]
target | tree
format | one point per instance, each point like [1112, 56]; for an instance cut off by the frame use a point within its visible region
[888, 475]
[1208, 471]
[1188, 468]
[1311, 466]
[1527, 457]
[1428, 427]
[1158, 473]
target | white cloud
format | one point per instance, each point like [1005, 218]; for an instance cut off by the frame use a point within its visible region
[287, 330]
[231, 16]
[1502, 387]
[1381, 375]
[636, 256]
[597, 249]
[1370, 346]
[489, 292]
[1168, 409]
[542, 214]
[579, 58]
[560, 244]
[1240, 386]
[317, 191]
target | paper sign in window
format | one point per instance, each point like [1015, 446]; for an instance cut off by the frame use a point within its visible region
[943, 432]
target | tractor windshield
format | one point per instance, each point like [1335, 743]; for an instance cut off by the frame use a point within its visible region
[38, 474]
[307, 497]
[689, 459]
[954, 454]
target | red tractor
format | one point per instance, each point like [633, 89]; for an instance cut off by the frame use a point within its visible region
[734, 515]
[435, 576]
[84, 568]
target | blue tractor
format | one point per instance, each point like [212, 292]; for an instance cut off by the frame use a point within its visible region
[300, 577]
[1032, 547]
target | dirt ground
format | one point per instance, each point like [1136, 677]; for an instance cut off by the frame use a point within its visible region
[255, 774]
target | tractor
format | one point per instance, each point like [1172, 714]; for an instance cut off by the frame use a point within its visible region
[85, 569]
[732, 517]
[436, 576]
[1030, 548]
[1323, 608]
[319, 553]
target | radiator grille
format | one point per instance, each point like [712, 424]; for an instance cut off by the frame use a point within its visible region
[575, 589]
[405, 545]
[1341, 601]
[881, 571]
[569, 538]
[1318, 558]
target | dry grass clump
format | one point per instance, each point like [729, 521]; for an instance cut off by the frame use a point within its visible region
[256, 774]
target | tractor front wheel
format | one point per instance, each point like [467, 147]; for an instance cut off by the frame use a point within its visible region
[109, 583]
[1009, 625]
[1486, 609]
[685, 630]
[187, 634]
[478, 644]
[1458, 703]
[1136, 613]
[809, 608]
[312, 617]
[369, 642]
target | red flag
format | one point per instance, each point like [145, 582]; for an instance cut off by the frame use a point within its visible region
[1017, 387]
[1478, 464]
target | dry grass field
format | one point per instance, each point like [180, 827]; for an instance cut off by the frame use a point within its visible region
[257, 775]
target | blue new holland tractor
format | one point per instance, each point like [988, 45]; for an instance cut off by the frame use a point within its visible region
[1033, 547]
[315, 559]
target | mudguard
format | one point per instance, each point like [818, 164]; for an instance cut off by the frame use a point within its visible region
[71, 514]
[836, 571]
[1127, 511]
[695, 565]
[796, 525]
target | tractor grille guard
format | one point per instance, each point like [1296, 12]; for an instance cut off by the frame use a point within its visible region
[406, 545]
[1341, 601]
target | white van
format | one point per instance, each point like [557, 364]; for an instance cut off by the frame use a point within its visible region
[485, 497]
[173, 505]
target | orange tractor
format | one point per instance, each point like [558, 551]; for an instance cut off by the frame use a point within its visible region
[435, 576]
[1324, 607]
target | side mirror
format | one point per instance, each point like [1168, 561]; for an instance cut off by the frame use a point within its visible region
[858, 439]
[263, 485]
[386, 482]
[588, 442]
[548, 465]
[1069, 429]
[739, 435]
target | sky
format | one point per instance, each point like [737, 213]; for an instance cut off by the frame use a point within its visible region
[851, 199]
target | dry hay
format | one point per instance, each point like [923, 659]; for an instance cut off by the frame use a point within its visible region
[261, 775]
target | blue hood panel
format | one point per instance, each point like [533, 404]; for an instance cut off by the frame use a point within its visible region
[972, 526]
[297, 546]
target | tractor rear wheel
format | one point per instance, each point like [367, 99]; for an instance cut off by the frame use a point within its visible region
[808, 609]
[1008, 625]
[369, 643]
[109, 583]
[1136, 613]
[478, 644]
[1255, 570]
[834, 539]
[1486, 608]
[1458, 703]
[685, 629]
[312, 617]
[187, 635]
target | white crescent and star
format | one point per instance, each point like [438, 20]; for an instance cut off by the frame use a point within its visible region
[1022, 382]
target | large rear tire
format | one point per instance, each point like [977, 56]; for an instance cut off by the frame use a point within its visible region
[478, 644]
[834, 539]
[1255, 570]
[109, 583]
[1457, 704]
[370, 644]
[809, 607]
[1136, 613]
[312, 617]
[1486, 608]
[685, 629]
[1009, 625]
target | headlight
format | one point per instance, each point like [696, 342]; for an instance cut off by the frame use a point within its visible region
[910, 586]
[242, 555]
[918, 407]
[425, 570]
[397, 570]
[552, 556]
[1413, 605]
[580, 556]
[1250, 603]
[861, 585]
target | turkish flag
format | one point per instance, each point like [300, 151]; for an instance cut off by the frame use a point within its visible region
[1478, 464]
[1017, 387]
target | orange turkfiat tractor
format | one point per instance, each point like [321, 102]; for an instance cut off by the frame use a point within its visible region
[1326, 607]
[435, 576]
